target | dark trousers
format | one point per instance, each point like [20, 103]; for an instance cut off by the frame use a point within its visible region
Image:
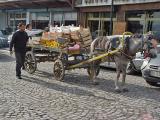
[20, 57]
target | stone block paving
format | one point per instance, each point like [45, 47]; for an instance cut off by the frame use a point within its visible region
[40, 97]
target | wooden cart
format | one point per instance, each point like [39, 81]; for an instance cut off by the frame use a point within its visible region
[62, 58]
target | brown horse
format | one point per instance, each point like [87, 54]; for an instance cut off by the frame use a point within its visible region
[132, 45]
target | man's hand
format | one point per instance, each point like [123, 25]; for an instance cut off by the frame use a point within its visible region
[11, 52]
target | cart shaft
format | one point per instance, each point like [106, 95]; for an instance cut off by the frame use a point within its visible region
[93, 59]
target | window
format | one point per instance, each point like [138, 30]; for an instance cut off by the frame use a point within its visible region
[135, 14]
[135, 27]
[154, 14]
[12, 15]
[23, 15]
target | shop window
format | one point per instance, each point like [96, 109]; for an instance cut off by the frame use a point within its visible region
[90, 15]
[153, 14]
[23, 15]
[154, 26]
[40, 24]
[11, 23]
[18, 15]
[70, 16]
[135, 27]
[96, 15]
[135, 14]
[12, 15]
[56, 23]
[70, 22]
[107, 15]
[78, 2]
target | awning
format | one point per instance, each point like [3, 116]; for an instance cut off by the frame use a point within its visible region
[22, 4]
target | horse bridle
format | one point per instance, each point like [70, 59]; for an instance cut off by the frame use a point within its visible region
[126, 47]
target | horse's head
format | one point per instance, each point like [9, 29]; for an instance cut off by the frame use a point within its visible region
[133, 44]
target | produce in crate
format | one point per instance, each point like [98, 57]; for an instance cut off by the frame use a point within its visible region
[67, 37]
[50, 43]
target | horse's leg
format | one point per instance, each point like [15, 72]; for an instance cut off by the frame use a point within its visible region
[93, 73]
[118, 70]
[117, 89]
[124, 89]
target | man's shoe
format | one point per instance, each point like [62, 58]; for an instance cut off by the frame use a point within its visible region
[19, 77]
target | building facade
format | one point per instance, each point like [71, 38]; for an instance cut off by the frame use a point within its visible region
[137, 16]
[40, 13]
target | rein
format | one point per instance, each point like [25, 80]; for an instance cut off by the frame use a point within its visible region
[128, 56]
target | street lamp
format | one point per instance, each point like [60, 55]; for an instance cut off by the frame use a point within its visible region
[111, 17]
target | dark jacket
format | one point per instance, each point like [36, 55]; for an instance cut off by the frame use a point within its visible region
[19, 41]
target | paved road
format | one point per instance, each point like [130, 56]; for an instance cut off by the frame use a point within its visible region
[40, 97]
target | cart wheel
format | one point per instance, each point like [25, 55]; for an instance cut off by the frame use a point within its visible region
[58, 70]
[90, 71]
[30, 63]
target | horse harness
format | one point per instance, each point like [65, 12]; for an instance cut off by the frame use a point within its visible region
[125, 48]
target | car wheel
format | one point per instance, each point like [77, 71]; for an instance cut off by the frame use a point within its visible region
[153, 83]
[130, 69]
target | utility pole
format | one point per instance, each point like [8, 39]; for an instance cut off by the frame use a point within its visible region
[111, 17]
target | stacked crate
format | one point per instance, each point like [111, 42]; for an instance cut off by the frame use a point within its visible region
[86, 38]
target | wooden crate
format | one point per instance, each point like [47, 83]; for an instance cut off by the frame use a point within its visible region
[86, 38]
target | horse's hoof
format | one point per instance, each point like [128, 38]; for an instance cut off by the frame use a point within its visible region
[95, 83]
[125, 90]
[118, 90]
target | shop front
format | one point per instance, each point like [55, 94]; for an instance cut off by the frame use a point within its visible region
[97, 19]
[99, 23]
[135, 18]
[143, 21]
[40, 14]
[42, 19]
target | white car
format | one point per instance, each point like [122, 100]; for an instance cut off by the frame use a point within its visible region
[3, 40]
[134, 66]
[34, 32]
[151, 69]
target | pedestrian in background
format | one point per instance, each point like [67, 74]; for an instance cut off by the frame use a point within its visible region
[31, 32]
[19, 41]
[151, 45]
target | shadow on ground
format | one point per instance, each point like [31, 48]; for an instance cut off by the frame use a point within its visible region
[6, 58]
[73, 80]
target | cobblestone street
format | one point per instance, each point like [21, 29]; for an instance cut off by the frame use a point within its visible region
[40, 97]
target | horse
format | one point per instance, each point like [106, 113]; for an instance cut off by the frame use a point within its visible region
[127, 51]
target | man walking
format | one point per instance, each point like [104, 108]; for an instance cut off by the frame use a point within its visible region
[19, 41]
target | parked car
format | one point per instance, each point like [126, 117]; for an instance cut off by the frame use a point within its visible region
[10, 37]
[151, 69]
[3, 40]
[132, 67]
[36, 33]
